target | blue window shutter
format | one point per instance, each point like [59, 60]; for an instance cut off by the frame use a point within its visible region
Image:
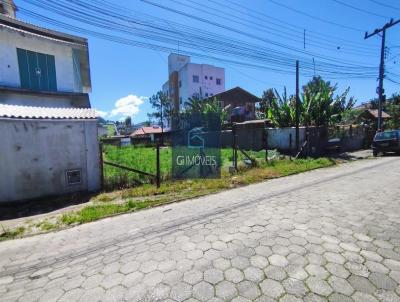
[23, 68]
[51, 71]
[34, 70]
[37, 70]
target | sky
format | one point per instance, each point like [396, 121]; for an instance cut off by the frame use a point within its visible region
[125, 76]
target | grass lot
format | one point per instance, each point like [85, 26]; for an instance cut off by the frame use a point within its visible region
[144, 159]
[147, 195]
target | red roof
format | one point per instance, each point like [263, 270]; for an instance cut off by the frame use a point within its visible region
[147, 131]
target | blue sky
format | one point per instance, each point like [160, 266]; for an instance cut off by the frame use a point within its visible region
[124, 76]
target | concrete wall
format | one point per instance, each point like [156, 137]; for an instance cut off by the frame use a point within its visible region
[43, 100]
[35, 155]
[205, 87]
[279, 138]
[10, 40]
[254, 139]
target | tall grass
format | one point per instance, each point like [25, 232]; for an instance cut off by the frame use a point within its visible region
[144, 159]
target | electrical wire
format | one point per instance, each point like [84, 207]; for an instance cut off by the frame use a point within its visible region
[360, 9]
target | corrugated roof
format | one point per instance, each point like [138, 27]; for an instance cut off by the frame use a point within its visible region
[148, 130]
[375, 113]
[28, 112]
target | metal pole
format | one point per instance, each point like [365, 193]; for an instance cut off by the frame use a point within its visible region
[162, 120]
[297, 108]
[158, 165]
[101, 166]
[380, 90]
[381, 75]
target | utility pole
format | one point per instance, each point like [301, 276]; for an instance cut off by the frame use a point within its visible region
[304, 39]
[380, 89]
[297, 108]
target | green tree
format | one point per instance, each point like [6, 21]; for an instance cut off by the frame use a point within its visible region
[318, 105]
[266, 100]
[392, 107]
[281, 109]
[163, 108]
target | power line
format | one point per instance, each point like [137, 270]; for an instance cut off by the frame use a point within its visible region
[360, 9]
[316, 17]
[293, 35]
[256, 56]
[384, 4]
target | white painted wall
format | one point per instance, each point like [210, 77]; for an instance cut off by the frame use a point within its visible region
[11, 39]
[187, 88]
[207, 85]
[35, 154]
[278, 138]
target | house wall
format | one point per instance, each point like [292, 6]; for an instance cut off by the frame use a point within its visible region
[35, 155]
[43, 100]
[205, 87]
[10, 40]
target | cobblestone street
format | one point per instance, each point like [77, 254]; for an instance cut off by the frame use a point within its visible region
[326, 235]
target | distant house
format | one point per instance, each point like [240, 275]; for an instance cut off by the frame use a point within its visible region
[240, 104]
[149, 134]
[41, 67]
[47, 151]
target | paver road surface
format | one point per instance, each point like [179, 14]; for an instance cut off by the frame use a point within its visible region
[326, 235]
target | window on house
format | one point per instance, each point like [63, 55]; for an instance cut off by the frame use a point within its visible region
[37, 70]
[180, 83]
[206, 77]
[195, 79]
[2, 10]
[180, 100]
[206, 94]
[196, 95]
[218, 81]
[211, 78]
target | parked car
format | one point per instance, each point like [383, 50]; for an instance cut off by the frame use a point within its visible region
[387, 141]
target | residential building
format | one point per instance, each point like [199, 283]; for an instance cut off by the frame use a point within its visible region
[189, 80]
[39, 66]
[47, 152]
[49, 135]
[239, 103]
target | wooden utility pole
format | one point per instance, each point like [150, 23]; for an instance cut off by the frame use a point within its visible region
[380, 89]
[297, 108]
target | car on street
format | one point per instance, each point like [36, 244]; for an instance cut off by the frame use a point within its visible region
[386, 141]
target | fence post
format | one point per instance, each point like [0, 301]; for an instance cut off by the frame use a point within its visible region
[234, 146]
[266, 141]
[101, 166]
[158, 165]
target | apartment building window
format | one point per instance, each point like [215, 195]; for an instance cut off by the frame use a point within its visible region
[180, 84]
[37, 70]
[206, 77]
[195, 79]
[180, 100]
[218, 81]
[211, 78]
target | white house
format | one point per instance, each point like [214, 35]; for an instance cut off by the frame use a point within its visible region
[187, 80]
[41, 67]
[47, 151]
[49, 135]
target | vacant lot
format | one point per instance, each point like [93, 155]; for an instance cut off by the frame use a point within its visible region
[144, 159]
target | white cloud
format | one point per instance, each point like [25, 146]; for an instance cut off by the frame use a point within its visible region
[127, 106]
[100, 113]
